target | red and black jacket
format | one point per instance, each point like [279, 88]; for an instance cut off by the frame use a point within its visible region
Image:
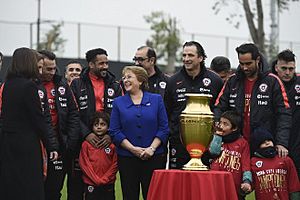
[269, 104]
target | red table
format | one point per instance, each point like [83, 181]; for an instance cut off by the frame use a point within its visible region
[191, 185]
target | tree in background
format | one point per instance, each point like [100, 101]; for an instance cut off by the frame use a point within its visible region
[254, 12]
[166, 38]
[52, 40]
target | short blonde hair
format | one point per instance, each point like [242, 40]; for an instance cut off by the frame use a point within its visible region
[141, 75]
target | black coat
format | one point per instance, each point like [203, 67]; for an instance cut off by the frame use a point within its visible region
[23, 125]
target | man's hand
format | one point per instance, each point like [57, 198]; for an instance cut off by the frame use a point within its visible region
[105, 141]
[93, 139]
[282, 151]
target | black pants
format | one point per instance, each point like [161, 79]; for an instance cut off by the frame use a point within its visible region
[134, 171]
[54, 183]
[178, 155]
[105, 192]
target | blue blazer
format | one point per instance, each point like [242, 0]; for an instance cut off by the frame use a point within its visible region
[139, 124]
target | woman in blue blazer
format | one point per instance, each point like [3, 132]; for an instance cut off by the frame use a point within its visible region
[139, 129]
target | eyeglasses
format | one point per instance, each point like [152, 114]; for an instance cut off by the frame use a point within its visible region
[139, 59]
[287, 68]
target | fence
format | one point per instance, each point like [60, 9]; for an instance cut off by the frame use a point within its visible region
[121, 42]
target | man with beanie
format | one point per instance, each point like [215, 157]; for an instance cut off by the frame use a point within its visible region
[274, 177]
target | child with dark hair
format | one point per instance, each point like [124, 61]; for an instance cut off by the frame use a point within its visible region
[229, 151]
[99, 166]
[274, 177]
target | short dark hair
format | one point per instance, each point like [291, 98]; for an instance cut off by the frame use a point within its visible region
[233, 117]
[150, 52]
[286, 55]
[73, 62]
[48, 54]
[220, 63]
[200, 50]
[97, 116]
[248, 48]
[24, 63]
[91, 55]
[1, 55]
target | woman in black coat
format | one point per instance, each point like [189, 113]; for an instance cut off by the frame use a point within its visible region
[22, 127]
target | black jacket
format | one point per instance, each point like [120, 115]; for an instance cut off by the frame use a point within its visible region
[85, 97]
[158, 82]
[68, 116]
[50, 141]
[293, 92]
[207, 82]
[269, 105]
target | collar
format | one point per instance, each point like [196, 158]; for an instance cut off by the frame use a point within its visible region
[145, 99]
[93, 77]
[202, 71]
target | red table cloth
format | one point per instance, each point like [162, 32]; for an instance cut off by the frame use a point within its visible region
[191, 185]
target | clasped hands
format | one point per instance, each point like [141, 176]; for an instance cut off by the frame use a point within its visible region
[142, 153]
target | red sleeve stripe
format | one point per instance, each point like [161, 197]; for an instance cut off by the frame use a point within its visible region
[220, 94]
[284, 94]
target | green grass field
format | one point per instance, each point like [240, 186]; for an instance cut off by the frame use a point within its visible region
[119, 192]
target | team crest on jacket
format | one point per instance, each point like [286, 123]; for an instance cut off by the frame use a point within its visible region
[259, 164]
[90, 188]
[61, 90]
[162, 85]
[52, 92]
[297, 88]
[110, 92]
[107, 150]
[263, 87]
[206, 82]
[41, 94]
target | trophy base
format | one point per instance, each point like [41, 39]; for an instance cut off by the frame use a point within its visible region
[195, 164]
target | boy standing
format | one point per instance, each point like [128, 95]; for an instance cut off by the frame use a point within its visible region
[229, 151]
[274, 177]
[99, 165]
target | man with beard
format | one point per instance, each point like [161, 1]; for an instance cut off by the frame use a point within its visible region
[146, 57]
[285, 69]
[94, 91]
[65, 122]
[259, 97]
[192, 78]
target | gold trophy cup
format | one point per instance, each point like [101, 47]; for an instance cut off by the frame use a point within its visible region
[196, 122]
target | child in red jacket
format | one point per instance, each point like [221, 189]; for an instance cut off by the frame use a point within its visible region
[99, 166]
[274, 177]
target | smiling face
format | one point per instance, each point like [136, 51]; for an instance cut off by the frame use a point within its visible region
[131, 83]
[48, 69]
[99, 66]
[73, 71]
[190, 58]
[225, 127]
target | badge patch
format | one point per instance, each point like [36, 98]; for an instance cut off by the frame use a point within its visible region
[297, 88]
[163, 85]
[110, 92]
[173, 152]
[107, 150]
[52, 92]
[61, 90]
[206, 81]
[41, 94]
[263, 87]
[90, 188]
[259, 164]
